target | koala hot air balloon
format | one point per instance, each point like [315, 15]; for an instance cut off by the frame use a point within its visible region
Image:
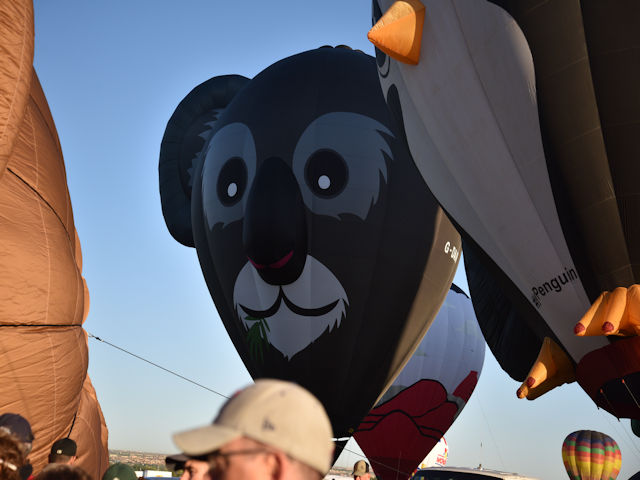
[324, 250]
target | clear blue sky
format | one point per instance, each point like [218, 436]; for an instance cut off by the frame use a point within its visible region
[113, 72]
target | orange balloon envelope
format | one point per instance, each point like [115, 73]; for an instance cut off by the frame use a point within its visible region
[43, 296]
[589, 455]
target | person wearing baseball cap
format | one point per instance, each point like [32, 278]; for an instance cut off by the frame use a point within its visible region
[192, 469]
[119, 471]
[361, 470]
[18, 426]
[63, 451]
[272, 427]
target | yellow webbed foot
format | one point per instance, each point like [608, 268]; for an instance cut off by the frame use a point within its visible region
[613, 313]
[551, 369]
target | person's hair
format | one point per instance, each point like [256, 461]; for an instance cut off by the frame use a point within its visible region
[61, 471]
[59, 458]
[11, 456]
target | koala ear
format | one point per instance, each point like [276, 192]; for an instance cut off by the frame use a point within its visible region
[187, 132]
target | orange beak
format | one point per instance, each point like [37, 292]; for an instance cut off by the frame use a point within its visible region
[398, 33]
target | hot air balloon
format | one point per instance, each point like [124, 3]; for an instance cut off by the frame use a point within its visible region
[324, 251]
[589, 455]
[428, 395]
[523, 122]
[43, 296]
[438, 455]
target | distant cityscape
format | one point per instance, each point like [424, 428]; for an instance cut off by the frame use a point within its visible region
[155, 461]
[138, 460]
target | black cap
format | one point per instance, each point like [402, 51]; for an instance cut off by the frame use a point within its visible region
[176, 462]
[17, 425]
[64, 446]
[177, 458]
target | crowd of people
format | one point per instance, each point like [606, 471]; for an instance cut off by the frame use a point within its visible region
[272, 429]
[16, 440]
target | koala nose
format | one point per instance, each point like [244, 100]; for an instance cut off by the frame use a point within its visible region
[274, 229]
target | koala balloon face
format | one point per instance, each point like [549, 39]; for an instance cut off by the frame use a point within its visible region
[322, 247]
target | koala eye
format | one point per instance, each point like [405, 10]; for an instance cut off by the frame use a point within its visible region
[340, 163]
[326, 173]
[232, 181]
[228, 168]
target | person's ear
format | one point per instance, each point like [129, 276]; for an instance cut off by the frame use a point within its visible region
[278, 465]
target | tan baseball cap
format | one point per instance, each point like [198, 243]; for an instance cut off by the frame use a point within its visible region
[277, 413]
[360, 468]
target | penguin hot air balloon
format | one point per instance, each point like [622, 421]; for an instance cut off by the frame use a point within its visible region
[324, 251]
[524, 123]
[43, 296]
[590, 455]
[428, 395]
